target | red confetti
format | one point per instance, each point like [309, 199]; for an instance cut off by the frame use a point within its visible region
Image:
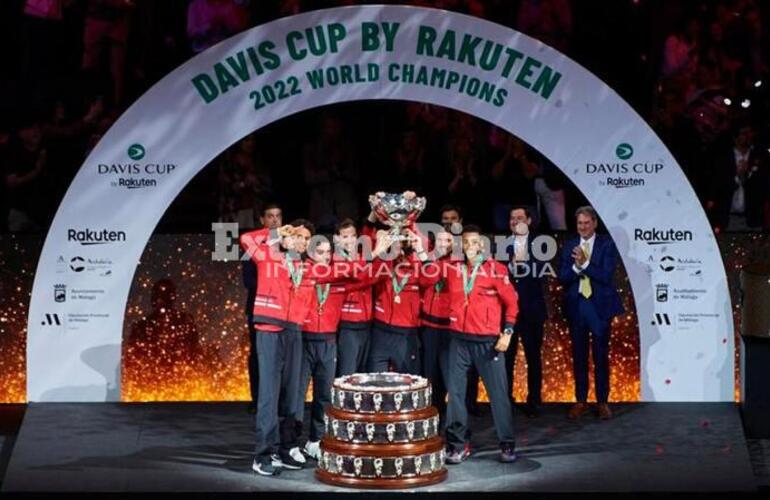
[668, 381]
[659, 449]
[705, 423]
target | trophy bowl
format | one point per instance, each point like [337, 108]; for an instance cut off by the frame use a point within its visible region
[396, 211]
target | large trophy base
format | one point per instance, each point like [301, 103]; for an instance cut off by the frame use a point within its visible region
[379, 483]
[380, 432]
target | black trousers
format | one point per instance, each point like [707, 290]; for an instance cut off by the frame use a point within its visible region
[491, 366]
[531, 334]
[253, 362]
[352, 350]
[319, 361]
[280, 360]
[401, 350]
[587, 325]
[435, 353]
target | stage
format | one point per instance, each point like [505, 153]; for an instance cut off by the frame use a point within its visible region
[197, 447]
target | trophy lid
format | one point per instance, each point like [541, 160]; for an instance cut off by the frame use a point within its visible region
[380, 382]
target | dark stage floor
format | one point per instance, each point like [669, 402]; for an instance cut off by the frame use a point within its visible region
[207, 447]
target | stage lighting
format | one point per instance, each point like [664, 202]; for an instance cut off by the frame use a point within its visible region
[728, 101]
[746, 103]
[757, 84]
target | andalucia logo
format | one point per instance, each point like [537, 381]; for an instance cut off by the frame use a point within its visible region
[136, 152]
[624, 151]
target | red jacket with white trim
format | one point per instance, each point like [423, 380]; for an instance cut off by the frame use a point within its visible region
[492, 304]
[402, 314]
[326, 319]
[357, 309]
[436, 303]
[278, 303]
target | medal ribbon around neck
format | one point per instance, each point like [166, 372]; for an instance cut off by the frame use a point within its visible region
[469, 282]
[322, 293]
[398, 286]
[296, 275]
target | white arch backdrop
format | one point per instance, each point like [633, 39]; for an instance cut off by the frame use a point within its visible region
[379, 52]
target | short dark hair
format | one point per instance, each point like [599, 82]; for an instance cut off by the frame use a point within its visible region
[304, 223]
[587, 210]
[472, 228]
[451, 207]
[270, 206]
[344, 224]
[527, 210]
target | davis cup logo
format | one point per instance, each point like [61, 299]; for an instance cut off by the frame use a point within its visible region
[136, 152]
[622, 174]
[624, 151]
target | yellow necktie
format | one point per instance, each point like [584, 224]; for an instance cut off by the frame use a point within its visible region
[584, 287]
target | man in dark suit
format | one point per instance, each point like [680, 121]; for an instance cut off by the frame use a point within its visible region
[525, 271]
[271, 217]
[586, 271]
[738, 188]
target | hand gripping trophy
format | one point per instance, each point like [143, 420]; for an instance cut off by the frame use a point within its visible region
[397, 210]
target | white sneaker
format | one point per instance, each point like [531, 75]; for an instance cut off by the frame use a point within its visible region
[313, 449]
[264, 467]
[297, 455]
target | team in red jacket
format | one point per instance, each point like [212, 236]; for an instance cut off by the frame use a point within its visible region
[314, 320]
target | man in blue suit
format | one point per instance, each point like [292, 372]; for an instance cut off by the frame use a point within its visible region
[586, 271]
[525, 272]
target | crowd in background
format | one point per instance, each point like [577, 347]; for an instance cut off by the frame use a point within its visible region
[696, 70]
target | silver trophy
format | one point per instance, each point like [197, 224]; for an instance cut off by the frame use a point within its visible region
[396, 211]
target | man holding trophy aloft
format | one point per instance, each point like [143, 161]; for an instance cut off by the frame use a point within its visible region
[395, 335]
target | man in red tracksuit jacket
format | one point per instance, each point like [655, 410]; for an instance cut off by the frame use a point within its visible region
[434, 317]
[357, 312]
[481, 299]
[319, 353]
[397, 295]
[284, 297]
